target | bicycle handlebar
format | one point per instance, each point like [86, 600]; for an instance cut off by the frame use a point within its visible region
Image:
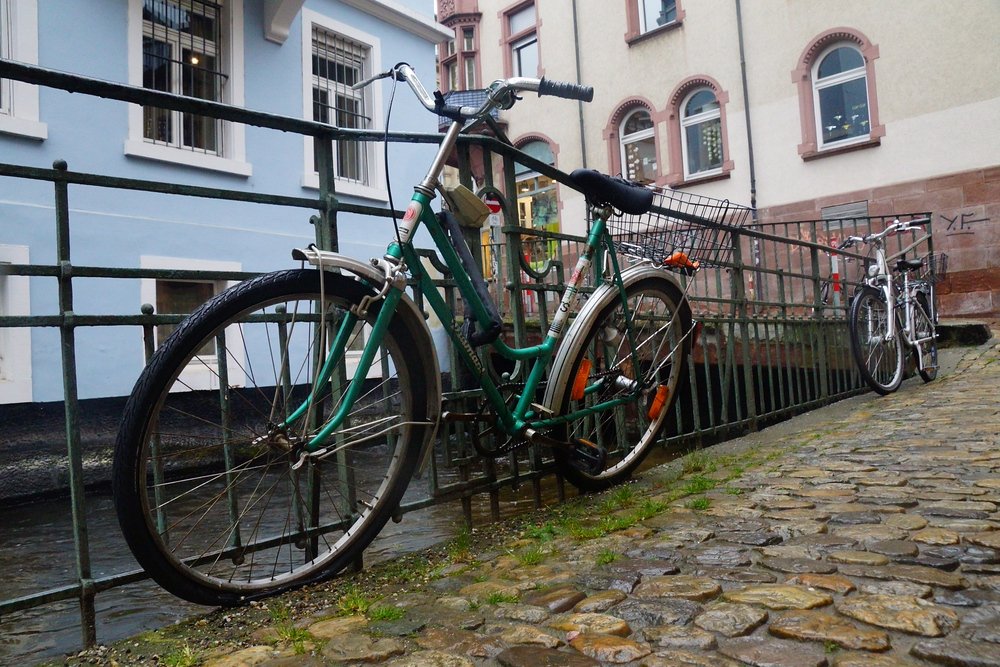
[897, 225]
[502, 92]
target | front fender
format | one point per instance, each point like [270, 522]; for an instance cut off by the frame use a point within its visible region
[559, 378]
[412, 317]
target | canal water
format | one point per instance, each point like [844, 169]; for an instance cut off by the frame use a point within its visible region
[37, 553]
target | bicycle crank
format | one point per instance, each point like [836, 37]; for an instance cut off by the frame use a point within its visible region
[588, 457]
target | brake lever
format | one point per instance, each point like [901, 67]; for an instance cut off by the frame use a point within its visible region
[372, 79]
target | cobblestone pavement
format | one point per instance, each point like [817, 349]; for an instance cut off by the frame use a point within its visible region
[864, 534]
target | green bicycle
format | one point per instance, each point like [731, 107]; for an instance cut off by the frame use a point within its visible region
[329, 391]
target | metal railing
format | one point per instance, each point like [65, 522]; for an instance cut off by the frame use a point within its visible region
[772, 344]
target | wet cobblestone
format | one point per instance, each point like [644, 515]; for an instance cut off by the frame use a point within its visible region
[866, 533]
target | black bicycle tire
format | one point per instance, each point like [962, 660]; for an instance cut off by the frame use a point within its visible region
[927, 375]
[588, 483]
[128, 470]
[856, 344]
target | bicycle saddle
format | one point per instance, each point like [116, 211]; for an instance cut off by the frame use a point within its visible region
[625, 196]
[909, 264]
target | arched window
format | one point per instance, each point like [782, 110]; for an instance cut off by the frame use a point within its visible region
[701, 133]
[838, 103]
[638, 147]
[840, 95]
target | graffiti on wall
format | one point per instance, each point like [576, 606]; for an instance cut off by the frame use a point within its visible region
[963, 223]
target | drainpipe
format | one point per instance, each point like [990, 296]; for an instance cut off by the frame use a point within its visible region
[746, 110]
[576, 46]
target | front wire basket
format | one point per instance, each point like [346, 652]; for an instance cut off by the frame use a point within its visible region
[935, 267]
[682, 232]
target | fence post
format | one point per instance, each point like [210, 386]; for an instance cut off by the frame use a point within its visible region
[73, 449]
[740, 296]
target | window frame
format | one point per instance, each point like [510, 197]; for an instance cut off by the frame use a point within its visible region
[198, 374]
[376, 188]
[635, 137]
[635, 21]
[511, 40]
[20, 114]
[232, 136]
[15, 342]
[838, 79]
[677, 175]
[691, 121]
[802, 77]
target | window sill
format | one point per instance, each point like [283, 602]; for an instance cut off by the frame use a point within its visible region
[22, 127]
[637, 38]
[346, 188]
[811, 153]
[179, 156]
[676, 183]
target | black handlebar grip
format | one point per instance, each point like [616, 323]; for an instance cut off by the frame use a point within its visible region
[570, 91]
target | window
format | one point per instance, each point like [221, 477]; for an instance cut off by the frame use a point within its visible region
[334, 58]
[521, 35]
[19, 41]
[638, 147]
[648, 17]
[180, 297]
[840, 95]
[192, 48]
[15, 342]
[338, 64]
[470, 73]
[654, 13]
[537, 201]
[180, 55]
[838, 104]
[697, 136]
[468, 39]
[701, 134]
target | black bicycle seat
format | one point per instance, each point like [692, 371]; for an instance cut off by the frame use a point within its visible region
[623, 195]
[909, 264]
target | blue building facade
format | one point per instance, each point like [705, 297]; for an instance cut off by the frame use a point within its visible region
[289, 57]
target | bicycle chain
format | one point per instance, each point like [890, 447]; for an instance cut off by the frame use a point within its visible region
[513, 443]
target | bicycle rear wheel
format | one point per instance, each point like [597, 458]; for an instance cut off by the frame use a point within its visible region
[879, 360]
[924, 328]
[661, 321]
[204, 480]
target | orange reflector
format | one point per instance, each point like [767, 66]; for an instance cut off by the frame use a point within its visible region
[580, 382]
[659, 401]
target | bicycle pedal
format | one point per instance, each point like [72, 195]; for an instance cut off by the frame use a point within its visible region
[587, 457]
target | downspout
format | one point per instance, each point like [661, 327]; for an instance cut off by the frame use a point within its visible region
[576, 46]
[746, 111]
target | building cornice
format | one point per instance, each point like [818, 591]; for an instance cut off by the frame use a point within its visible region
[403, 17]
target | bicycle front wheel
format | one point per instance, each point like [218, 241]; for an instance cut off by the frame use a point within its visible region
[207, 487]
[880, 360]
[649, 379]
[924, 328]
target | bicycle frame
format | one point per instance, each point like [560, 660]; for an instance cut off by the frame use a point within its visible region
[401, 256]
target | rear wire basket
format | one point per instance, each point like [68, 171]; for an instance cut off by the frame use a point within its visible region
[935, 267]
[682, 232]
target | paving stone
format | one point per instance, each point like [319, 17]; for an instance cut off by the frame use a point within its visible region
[741, 575]
[722, 556]
[852, 557]
[957, 651]
[430, 659]
[731, 620]
[905, 521]
[462, 642]
[686, 587]
[529, 656]
[779, 596]
[786, 504]
[824, 543]
[362, 648]
[868, 533]
[624, 583]
[900, 612]
[937, 536]
[560, 599]
[853, 518]
[482, 590]
[590, 622]
[894, 548]
[609, 648]
[868, 660]
[521, 612]
[927, 575]
[644, 613]
[829, 582]
[896, 588]
[816, 626]
[679, 637]
[754, 538]
[680, 658]
[763, 652]
[990, 539]
[923, 560]
[644, 567]
[334, 627]
[797, 565]
[797, 515]
[599, 602]
[520, 633]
